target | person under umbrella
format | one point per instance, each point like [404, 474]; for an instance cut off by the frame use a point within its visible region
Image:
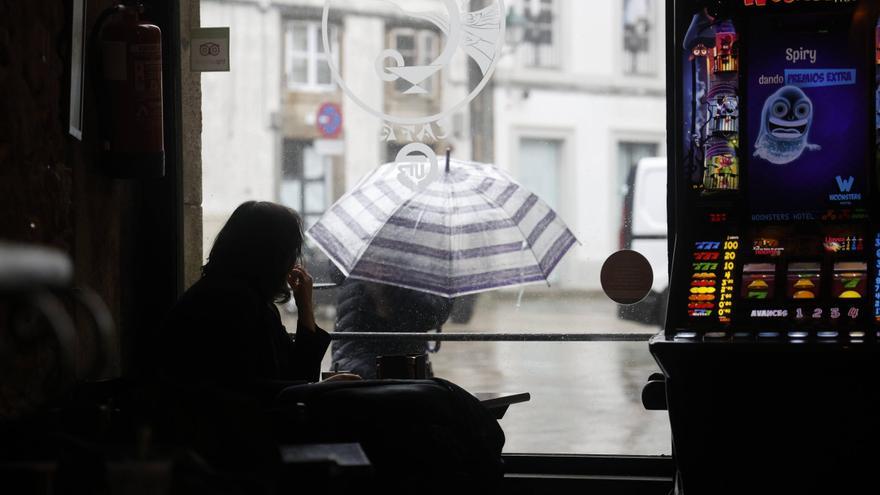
[370, 307]
[469, 229]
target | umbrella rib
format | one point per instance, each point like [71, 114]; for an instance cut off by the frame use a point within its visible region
[360, 254]
[369, 178]
[524, 236]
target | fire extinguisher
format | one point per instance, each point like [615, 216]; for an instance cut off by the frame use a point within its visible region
[128, 56]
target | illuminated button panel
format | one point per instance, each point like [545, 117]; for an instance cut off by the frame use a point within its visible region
[712, 286]
[793, 285]
[725, 305]
[702, 297]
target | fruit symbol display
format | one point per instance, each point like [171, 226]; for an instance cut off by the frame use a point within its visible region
[803, 280]
[850, 280]
[759, 281]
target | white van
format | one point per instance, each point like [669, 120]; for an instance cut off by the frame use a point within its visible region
[643, 229]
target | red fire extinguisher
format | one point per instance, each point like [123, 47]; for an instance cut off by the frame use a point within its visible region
[129, 62]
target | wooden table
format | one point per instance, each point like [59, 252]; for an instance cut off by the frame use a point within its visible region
[498, 402]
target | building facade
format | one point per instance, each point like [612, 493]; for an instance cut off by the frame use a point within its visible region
[567, 112]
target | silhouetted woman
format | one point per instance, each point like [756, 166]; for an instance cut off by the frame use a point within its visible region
[225, 356]
[226, 328]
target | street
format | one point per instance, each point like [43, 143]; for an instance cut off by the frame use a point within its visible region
[585, 396]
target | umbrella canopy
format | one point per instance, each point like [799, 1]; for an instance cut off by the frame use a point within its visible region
[466, 230]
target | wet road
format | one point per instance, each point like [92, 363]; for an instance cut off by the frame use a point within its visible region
[586, 396]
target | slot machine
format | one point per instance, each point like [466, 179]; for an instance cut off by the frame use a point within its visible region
[770, 346]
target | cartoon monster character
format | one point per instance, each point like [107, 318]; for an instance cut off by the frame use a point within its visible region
[785, 126]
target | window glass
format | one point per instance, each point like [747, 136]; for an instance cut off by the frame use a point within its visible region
[299, 70]
[533, 26]
[299, 33]
[417, 49]
[313, 163]
[539, 161]
[639, 36]
[324, 77]
[314, 201]
[306, 67]
[406, 44]
[291, 192]
[427, 48]
[538, 89]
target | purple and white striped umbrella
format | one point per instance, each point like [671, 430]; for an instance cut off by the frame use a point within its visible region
[469, 229]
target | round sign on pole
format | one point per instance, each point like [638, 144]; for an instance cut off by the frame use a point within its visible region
[329, 120]
[626, 277]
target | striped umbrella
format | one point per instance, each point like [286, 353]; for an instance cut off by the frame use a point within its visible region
[469, 229]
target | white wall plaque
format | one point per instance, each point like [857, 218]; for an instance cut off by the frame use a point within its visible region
[209, 49]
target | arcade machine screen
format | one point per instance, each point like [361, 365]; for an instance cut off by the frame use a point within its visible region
[774, 223]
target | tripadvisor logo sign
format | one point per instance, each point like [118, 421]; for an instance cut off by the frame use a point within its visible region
[479, 34]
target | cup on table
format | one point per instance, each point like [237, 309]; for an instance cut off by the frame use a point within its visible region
[412, 366]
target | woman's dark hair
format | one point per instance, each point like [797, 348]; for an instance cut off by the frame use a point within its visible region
[258, 244]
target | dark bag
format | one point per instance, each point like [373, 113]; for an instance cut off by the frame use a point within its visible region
[429, 434]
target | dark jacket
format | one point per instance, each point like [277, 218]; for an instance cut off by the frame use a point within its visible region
[223, 331]
[221, 358]
[370, 307]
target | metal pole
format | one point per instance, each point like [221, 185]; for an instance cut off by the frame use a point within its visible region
[494, 337]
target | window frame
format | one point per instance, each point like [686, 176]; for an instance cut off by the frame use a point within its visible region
[313, 55]
[179, 104]
[566, 136]
[554, 47]
[420, 37]
[325, 180]
[654, 42]
[631, 136]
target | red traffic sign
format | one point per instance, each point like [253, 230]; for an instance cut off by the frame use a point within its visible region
[329, 120]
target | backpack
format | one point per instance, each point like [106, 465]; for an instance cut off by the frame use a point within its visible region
[428, 435]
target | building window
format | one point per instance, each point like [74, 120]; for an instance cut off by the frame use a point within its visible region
[305, 180]
[538, 47]
[540, 163]
[305, 63]
[540, 166]
[638, 37]
[418, 48]
[628, 155]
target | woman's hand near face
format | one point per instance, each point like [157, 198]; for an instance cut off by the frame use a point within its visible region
[301, 284]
